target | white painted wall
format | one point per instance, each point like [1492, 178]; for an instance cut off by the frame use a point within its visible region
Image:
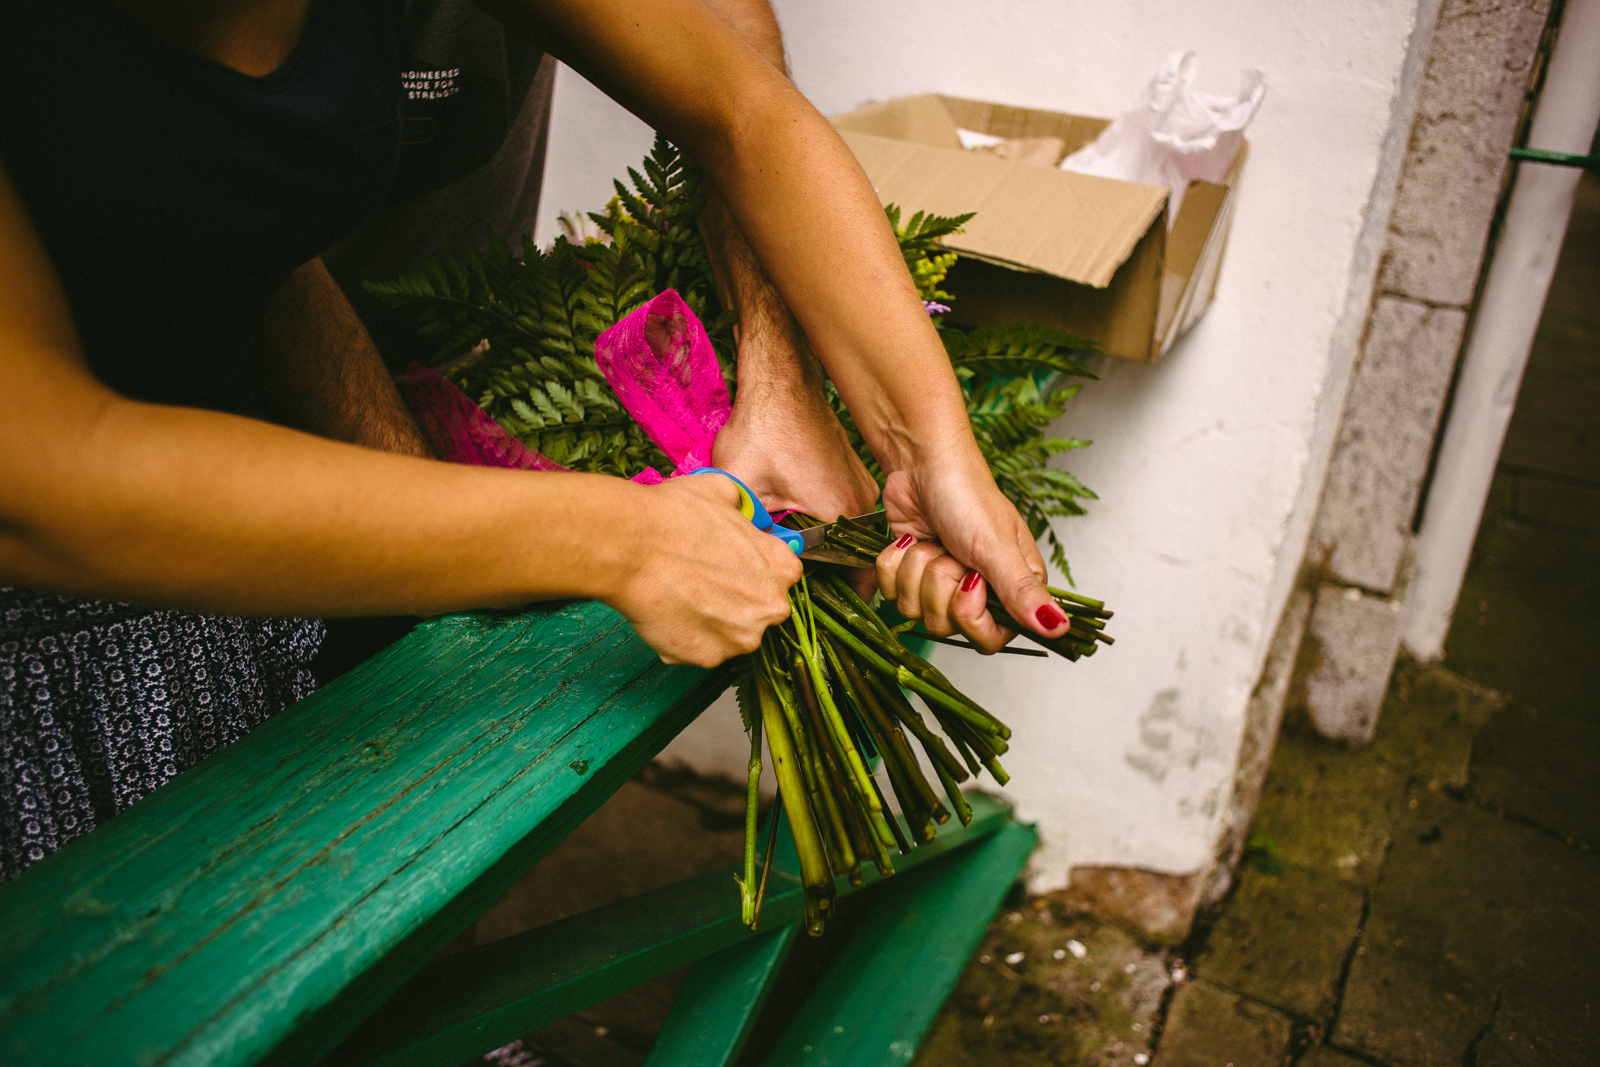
[1208, 463]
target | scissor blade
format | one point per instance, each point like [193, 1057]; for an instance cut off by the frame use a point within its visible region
[816, 549]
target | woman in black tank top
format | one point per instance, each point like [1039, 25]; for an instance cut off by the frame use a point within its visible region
[169, 171]
[174, 195]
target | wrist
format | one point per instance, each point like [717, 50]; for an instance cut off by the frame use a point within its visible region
[601, 521]
[939, 439]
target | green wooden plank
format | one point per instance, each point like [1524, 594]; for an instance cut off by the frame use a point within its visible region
[270, 898]
[881, 994]
[714, 1011]
[718, 1004]
[473, 1001]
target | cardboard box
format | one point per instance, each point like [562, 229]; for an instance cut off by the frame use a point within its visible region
[1089, 255]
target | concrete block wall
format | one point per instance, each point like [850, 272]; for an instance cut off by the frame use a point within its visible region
[1468, 109]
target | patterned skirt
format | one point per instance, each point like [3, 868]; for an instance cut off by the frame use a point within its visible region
[102, 703]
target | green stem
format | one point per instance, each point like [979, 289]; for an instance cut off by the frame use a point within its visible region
[788, 699]
[961, 747]
[999, 772]
[981, 719]
[1077, 598]
[766, 864]
[894, 701]
[887, 831]
[837, 788]
[917, 800]
[812, 661]
[748, 903]
[837, 842]
[815, 874]
[875, 812]
[982, 723]
[869, 629]
[953, 791]
[1067, 645]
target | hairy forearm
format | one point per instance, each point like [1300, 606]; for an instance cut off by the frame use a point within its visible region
[798, 196]
[756, 25]
[777, 358]
[324, 375]
[861, 312]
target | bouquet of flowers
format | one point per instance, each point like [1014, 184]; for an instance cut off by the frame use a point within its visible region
[614, 356]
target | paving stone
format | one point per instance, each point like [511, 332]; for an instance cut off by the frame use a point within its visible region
[1467, 109]
[1323, 1056]
[1541, 768]
[1556, 425]
[1526, 624]
[1554, 501]
[1207, 1026]
[1385, 440]
[1283, 939]
[1329, 808]
[1483, 933]
[1357, 637]
[1324, 810]
[1437, 717]
[1100, 1008]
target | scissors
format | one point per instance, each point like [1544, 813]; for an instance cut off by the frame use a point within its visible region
[806, 543]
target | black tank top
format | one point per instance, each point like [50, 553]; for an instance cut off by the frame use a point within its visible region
[175, 195]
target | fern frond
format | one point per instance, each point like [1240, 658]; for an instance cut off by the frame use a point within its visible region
[542, 311]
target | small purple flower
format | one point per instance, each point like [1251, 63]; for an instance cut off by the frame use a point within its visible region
[933, 307]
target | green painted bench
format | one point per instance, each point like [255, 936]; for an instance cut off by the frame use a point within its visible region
[283, 902]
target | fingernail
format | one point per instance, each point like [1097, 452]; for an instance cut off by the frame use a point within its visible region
[970, 582]
[1050, 616]
[906, 541]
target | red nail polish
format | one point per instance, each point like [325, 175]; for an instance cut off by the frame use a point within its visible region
[970, 582]
[1050, 616]
[906, 541]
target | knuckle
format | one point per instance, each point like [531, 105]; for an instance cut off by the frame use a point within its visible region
[1023, 587]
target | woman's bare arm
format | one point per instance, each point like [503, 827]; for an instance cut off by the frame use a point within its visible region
[814, 221]
[106, 497]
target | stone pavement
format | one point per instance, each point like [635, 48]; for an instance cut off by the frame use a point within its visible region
[1386, 913]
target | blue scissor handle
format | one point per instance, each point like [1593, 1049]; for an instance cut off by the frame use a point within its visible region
[751, 507]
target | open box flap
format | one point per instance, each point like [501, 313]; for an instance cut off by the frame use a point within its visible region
[1069, 225]
[920, 120]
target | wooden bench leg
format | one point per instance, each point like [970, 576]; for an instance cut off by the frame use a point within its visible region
[712, 1017]
[877, 1000]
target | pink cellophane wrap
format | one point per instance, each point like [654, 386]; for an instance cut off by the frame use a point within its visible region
[660, 362]
[658, 359]
[462, 432]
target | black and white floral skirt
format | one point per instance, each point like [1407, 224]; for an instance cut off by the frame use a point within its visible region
[102, 703]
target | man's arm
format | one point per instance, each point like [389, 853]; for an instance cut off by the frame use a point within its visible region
[782, 438]
[323, 373]
[756, 25]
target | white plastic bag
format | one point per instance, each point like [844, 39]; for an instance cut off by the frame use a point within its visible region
[1175, 135]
